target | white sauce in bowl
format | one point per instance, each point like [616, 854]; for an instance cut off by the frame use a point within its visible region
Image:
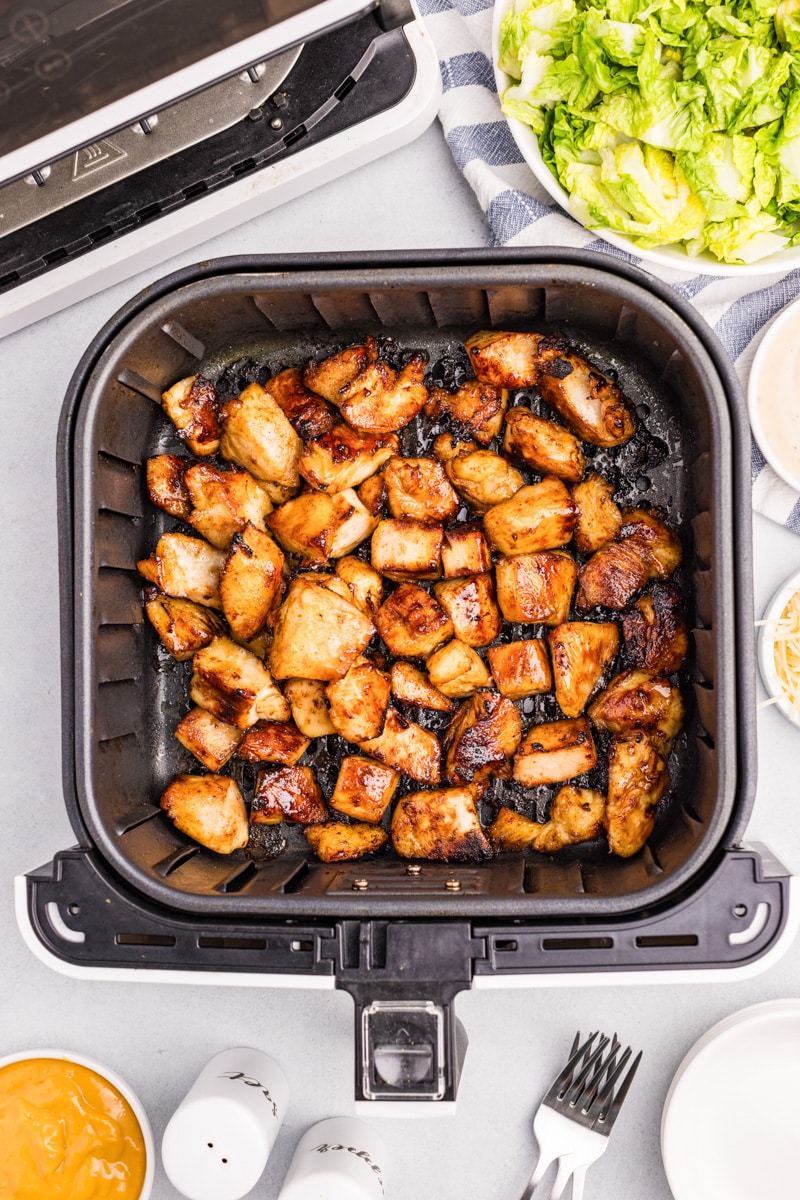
[774, 395]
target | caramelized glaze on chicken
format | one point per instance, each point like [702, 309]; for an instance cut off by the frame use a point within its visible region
[639, 700]
[654, 629]
[442, 825]
[647, 549]
[483, 735]
[582, 652]
[637, 780]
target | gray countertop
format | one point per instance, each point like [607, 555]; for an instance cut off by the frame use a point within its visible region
[159, 1036]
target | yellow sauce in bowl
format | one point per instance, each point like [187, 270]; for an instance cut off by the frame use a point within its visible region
[66, 1132]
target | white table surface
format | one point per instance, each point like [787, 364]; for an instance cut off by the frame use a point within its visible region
[159, 1036]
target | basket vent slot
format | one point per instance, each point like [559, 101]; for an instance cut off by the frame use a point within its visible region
[667, 939]
[232, 943]
[239, 880]
[181, 335]
[171, 863]
[578, 943]
[345, 310]
[288, 310]
[137, 383]
[133, 820]
[145, 939]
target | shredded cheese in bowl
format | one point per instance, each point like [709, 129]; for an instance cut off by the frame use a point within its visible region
[787, 651]
[779, 650]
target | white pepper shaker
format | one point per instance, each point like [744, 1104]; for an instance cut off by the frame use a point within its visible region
[338, 1159]
[218, 1140]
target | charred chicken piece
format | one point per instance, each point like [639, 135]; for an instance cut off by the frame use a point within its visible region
[506, 360]
[344, 457]
[599, 518]
[465, 551]
[441, 825]
[541, 444]
[318, 634]
[223, 502]
[536, 588]
[359, 702]
[327, 378]
[483, 734]
[366, 585]
[582, 652]
[655, 630]
[193, 406]
[411, 622]
[471, 606]
[407, 550]
[309, 705]
[456, 670]
[417, 488]
[647, 549]
[382, 400]
[336, 842]
[306, 412]
[639, 700]
[372, 493]
[257, 436]
[591, 403]
[407, 747]
[250, 583]
[554, 751]
[483, 478]
[637, 779]
[235, 686]
[166, 487]
[411, 686]
[212, 742]
[289, 794]
[364, 789]
[538, 517]
[273, 741]
[521, 668]
[476, 407]
[182, 625]
[209, 809]
[576, 815]
[185, 567]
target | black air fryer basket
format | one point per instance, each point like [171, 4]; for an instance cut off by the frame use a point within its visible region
[136, 892]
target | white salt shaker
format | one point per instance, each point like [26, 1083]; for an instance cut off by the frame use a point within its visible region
[338, 1159]
[217, 1142]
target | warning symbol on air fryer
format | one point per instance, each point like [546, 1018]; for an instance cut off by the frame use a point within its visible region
[95, 157]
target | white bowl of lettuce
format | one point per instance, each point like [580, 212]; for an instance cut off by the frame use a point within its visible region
[672, 128]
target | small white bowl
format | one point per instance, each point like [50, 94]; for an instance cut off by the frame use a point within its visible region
[766, 648]
[122, 1087]
[772, 446]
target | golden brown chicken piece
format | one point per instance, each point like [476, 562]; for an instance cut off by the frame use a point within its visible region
[507, 360]
[465, 551]
[655, 630]
[209, 809]
[483, 478]
[250, 583]
[223, 502]
[309, 705]
[538, 517]
[554, 751]
[471, 606]
[407, 550]
[235, 686]
[477, 408]
[521, 668]
[182, 625]
[582, 652]
[318, 634]
[382, 400]
[330, 581]
[457, 670]
[418, 488]
[186, 567]
[337, 842]
[510, 830]
[306, 412]
[599, 518]
[637, 779]
[193, 406]
[273, 741]
[441, 825]
[576, 815]
[536, 588]
[446, 447]
[344, 457]
[411, 622]
[647, 549]
[306, 526]
[329, 376]
[483, 734]
[289, 794]
[407, 747]
[359, 702]
[591, 403]
[212, 742]
[257, 436]
[541, 444]
[638, 700]
[166, 487]
[411, 686]
[366, 585]
[364, 789]
[372, 493]
[354, 523]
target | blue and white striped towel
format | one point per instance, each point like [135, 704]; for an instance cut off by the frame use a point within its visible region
[520, 213]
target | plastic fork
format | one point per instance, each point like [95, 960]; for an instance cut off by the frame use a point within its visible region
[574, 1120]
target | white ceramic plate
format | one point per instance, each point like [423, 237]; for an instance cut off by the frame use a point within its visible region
[674, 256]
[766, 645]
[729, 1128]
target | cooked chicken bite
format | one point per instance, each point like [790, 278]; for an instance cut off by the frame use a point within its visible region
[442, 825]
[354, 523]
[289, 794]
[543, 445]
[655, 630]
[186, 567]
[382, 400]
[476, 407]
[411, 622]
[511, 831]
[465, 551]
[407, 550]
[182, 625]
[358, 702]
[418, 488]
[329, 376]
[576, 815]
[166, 487]
[309, 705]
[538, 517]
[331, 582]
[471, 606]
[485, 732]
[250, 583]
[212, 742]
[599, 518]
[318, 634]
[521, 668]
[306, 526]
[209, 809]
[235, 686]
[507, 360]
[192, 404]
[273, 741]
[637, 779]
[591, 403]
[411, 686]
[446, 447]
[553, 751]
[457, 670]
[647, 549]
[364, 582]
[345, 457]
[536, 588]
[306, 412]
[582, 652]
[639, 700]
[407, 747]
[257, 436]
[223, 502]
[337, 842]
[372, 493]
[364, 788]
[483, 478]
